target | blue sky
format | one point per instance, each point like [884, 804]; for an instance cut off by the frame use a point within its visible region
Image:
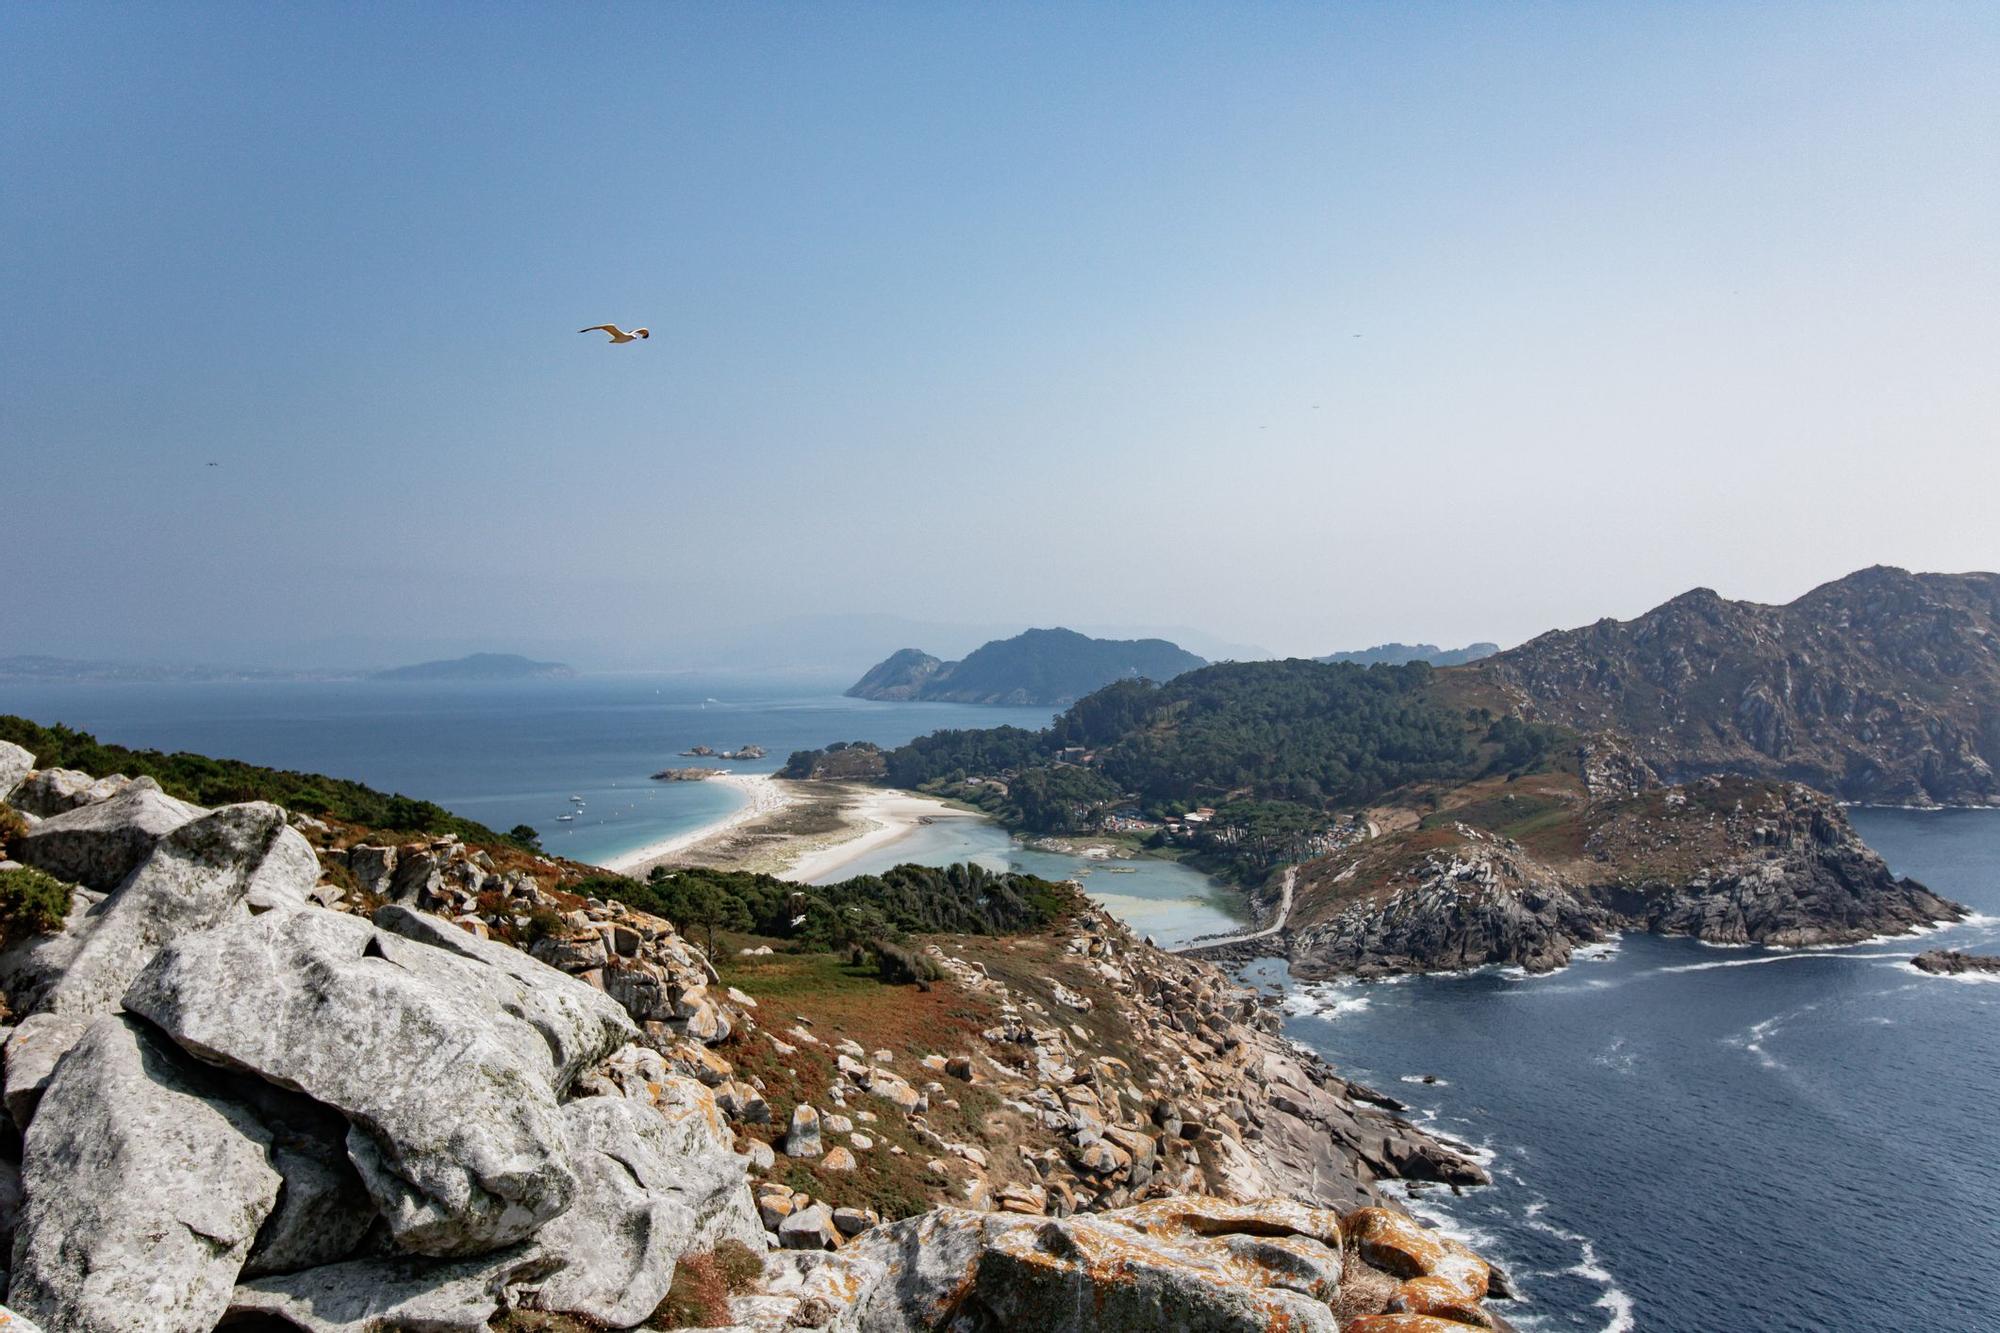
[982, 315]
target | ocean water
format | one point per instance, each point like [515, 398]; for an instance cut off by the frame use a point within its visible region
[507, 754]
[1688, 1138]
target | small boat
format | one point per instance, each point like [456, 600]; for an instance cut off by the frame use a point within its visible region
[577, 799]
[564, 819]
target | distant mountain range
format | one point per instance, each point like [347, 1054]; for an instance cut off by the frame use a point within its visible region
[1396, 654]
[480, 666]
[1051, 667]
[1881, 687]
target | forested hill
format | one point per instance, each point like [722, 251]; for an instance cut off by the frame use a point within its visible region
[1038, 666]
[1272, 744]
[1883, 686]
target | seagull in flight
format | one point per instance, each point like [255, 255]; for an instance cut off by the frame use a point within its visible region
[618, 335]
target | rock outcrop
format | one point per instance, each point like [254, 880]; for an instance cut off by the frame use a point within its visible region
[99, 844]
[1952, 963]
[1525, 876]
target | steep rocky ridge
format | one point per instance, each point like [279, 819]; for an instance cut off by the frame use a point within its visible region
[1522, 872]
[1880, 687]
[345, 1086]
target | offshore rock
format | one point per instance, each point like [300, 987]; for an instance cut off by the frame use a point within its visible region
[144, 1191]
[447, 1068]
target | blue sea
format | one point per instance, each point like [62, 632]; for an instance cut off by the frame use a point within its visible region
[507, 754]
[1692, 1139]
[1683, 1137]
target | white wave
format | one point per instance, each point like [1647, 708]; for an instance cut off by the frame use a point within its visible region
[1613, 1301]
[1789, 956]
[1600, 951]
[1323, 1000]
[1615, 1057]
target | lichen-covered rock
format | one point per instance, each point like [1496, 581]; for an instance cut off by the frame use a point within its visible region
[32, 1051]
[390, 1295]
[1400, 1245]
[447, 1065]
[55, 790]
[232, 862]
[643, 1199]
[15, 765]
[1186, 1264]
[324, 1211]
[99, 845]
[803, 1138]
[144, 1191]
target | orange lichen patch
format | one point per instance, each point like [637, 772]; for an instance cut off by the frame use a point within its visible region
[1118, 1266]
[1401, 1246]
[1393, 1243]
[1205, 1216]
[1403, 1323]
[1441, 1298]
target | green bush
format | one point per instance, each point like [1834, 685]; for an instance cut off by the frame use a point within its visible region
[31, 903]
[12, 826]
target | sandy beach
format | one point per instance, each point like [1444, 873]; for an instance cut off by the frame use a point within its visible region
[765, 796]
[795, 830]
[876, 818]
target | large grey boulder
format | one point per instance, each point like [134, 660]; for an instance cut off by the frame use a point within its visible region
[324, 1211]
[446, 1064]
[54, 791]
[238, 860]
[33, 1048]
[389, 1295]
[15, 765]
[633, 1215]
[144, 1191]
[570, 1019]
[99, 845]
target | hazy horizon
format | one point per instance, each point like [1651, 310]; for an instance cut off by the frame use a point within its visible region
[983, 318]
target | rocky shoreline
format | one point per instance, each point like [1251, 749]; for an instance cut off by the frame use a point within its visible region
[270, 1077]
[1952, 963]
[1723, 861]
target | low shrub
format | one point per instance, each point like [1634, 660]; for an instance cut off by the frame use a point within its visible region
[31, 903]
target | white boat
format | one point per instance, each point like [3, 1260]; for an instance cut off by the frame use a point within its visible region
[564, 819]
[577, 799]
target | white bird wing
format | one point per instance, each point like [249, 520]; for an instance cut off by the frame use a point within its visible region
[611, 329]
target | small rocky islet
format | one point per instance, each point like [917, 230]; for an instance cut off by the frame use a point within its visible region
[266, 1076]
[1952, 963]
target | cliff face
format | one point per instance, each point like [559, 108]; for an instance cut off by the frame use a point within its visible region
[1880, 687]
[1038, 666]
[1523, 877]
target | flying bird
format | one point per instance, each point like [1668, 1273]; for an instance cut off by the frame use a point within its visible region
[618, 335]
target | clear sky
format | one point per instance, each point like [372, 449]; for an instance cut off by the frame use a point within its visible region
[1310, 326]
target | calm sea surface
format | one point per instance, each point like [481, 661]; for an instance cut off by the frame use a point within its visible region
[1698, 1139]
[1684, 1138]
